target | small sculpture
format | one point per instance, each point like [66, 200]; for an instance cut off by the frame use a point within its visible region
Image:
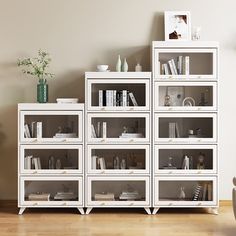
[118, 64]
[123, 164]
[125, 66]
[182, 194]
[201, 161]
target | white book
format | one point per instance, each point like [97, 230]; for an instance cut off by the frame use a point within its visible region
[39, 129]
[35, 162]
[209, 192]
[177, 130]
[124, 98]
[171, 67]
[93, 133]
[114, 98]
[166, 69]
[99, 129]
[34, 129]
[162, 69]
[39, 162]
[131, 95]
[102, 163]
[100, 98]
[186, 65]
[174, 66]
[27, 131]
[28, 160]
[94, 162]
[180, 65]
[104, 129]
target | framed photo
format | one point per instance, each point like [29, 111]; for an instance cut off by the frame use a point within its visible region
[177, 25]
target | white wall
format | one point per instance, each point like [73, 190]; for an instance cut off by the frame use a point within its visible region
[82, 33]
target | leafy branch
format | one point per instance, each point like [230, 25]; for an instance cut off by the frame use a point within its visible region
[37, 66]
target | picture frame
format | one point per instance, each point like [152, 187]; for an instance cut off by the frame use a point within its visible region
[177, 25]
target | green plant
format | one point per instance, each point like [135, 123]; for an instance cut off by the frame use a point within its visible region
[37, 66]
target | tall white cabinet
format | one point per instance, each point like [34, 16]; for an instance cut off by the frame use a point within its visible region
[118, 140]
[50, 156]
[185, 123]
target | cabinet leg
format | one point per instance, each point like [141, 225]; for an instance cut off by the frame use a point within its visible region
[21, 211]
[213, 210]
[89, 209]
[155, 210]
[147, 209]
[81, 210]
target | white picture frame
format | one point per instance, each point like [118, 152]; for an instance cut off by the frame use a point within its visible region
[177, 25]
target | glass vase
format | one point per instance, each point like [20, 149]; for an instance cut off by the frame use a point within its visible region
[42, 92]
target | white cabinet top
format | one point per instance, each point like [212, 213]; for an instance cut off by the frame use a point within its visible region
[50, 106]
[185, 44]
[118, 75]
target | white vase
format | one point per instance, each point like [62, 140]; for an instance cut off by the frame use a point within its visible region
[138, 68]
[118, 64]
[125, 66]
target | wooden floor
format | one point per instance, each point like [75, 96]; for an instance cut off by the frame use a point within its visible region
[68, 222]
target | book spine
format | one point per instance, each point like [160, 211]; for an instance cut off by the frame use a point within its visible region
[39, 163]
[99, 129]
[124, 98]
[174, 66]
[107, 98]
[93, 133]
[162, 69]
[100, 97]
[114, 98]
[209, 192]
[27, 131]
[131, 95]
[104, 129]
[39, 129]
[166, 69]
[94, 163]
[186, 65]
[171, 67]
[104, 98]
[180, 65]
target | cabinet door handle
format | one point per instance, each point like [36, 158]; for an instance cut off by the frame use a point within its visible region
[102, 204]
[103, 172]
[199, 140]
[199, 172]
[35, 172]
[170, 172]
[199, 204]
[131, 108]
[170, 204]
[131, 140]
[170, 108]
[102, 108]
[64, 204]
[131, 204]
[170, 140]
[131, 172]
[64, 172]
[35, 204]
[103, 140]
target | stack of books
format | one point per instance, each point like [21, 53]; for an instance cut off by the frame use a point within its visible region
[34, 130]
[32, 163]
[114, 98]
[98, 163]
[182, 67]
[65, 135]
[131, 135]
[104, 197]
[203, 192]
[174, 130]
[100, 131]
[129, 196]
[39, 197]
[65, 196]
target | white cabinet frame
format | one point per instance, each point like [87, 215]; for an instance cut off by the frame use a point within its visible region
[185, 140]
[51, 140]
[158, 203]
[181, 50]
[212, 171]
[92, 203]
[145, 82]
[25, 203]
[118, 171]
[118, 140]
[161, 108]
[80, 153]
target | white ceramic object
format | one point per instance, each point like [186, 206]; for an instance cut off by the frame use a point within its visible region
[102, 68]
[67, 100]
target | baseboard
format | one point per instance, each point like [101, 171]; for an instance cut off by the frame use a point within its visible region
[225, 202]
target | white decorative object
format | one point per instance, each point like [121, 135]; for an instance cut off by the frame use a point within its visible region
[138, 68]
[118, 64]
[177, 25]
[125, 66]
[67, 100]
[196, 34]
[188, 101]
[102, 68]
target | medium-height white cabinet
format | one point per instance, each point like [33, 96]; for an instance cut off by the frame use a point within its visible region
[118, 140]
[50, 156]
[185, 123]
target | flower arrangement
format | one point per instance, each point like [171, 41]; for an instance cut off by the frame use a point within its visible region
[37, 66]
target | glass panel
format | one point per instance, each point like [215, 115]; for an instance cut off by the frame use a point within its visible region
[118, 159]
[177, 96]
[118, 127]
[197, 63]
[120, 94]
[185, 190]
[179, 159]
[51, 126]
[118, 190]
[42, 190]
[185, 127]
[51, 159]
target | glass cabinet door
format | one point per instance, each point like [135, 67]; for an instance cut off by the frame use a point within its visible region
[51, 159]
[118, 159]
[118, 94]
[53, 191]
[51, 126]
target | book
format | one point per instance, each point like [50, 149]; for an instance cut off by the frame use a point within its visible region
[209, 192]
[186, 65]
[99, 129]
[166, 69]
[180, 65]
[93, 133]
[204, 194]
[171, 67]
[171, 130]
[94, 162]
[100, 98]
[174, 66]
[104, 129]
[39, 196]
[114, 98]
[162, 69]
[104, 197]
[124, 98]
[28, 162]
[35, 162]
[39, 162]
[27, 131]
[102, 163]
[39, 129]
[33, 129]
[131, 95]
[177, 135]
[66, 196]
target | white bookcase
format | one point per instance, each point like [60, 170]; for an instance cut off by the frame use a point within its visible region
[50, 169]
[201, 84]
[113, 185]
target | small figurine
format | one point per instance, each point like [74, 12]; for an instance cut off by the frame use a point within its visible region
[123, 164]
[201, 161]
[182, 194]
[125, 129]
[167, 101]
